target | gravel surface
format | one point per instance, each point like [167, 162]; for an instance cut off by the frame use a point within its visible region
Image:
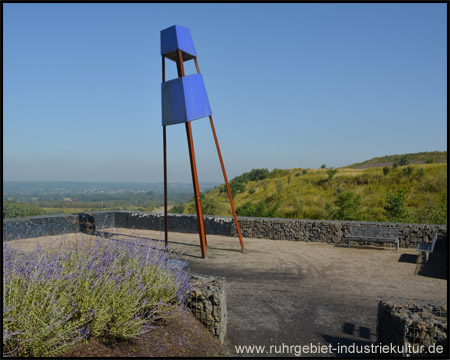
[296, 293]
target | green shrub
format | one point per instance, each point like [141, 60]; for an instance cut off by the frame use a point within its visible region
[420, 172]
[386, 170]
[408, 171]
[237, 184]
[348, 206]
[331, 172]
[253, 175]
[210, 205]
[404, 160]
[13, 209]
[395, 205]
[264, 208]
[235, 187]
[177, 209]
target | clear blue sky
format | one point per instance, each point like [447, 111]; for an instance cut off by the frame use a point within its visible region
[290, 85]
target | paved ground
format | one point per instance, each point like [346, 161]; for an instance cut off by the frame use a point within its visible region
[297, 293]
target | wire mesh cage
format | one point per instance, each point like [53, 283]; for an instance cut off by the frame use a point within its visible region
[207, 302]
[416, 325]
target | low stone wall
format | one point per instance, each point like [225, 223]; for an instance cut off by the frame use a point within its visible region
[333, 232]
[177, 223]
[48, 225]
[208, 303]
[410, 323]
[329, 231]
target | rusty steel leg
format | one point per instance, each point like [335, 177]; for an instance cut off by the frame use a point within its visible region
[226, 183]
[166, 236]
[223, 170]
[197, 200]
[198, 203]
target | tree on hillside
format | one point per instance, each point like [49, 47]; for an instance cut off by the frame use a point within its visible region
[235, 187]
[264, 208]
[237, 184]
[210, 205]
[395, 205]
[404, 160]
[331, 172]
[348, 206]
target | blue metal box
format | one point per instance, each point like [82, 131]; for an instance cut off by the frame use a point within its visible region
[184, 99]
[174, 38]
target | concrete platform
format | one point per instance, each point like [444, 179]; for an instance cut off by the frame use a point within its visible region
[297, 293]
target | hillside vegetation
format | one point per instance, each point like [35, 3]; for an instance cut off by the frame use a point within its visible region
[415, 193]
[429, 157]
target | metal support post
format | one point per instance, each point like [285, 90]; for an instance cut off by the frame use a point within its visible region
[223, 171]
[166, 234]
[197, 199]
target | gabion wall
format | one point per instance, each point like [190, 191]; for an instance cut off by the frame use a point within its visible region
[333, 232]
[48, 225]
[410, 322]
[208, 303]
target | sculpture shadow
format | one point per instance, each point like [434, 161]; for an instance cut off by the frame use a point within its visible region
[342, 347]
[346, 347]
[111, 236]
[351, 329]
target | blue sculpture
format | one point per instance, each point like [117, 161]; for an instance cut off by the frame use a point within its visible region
[177, 38]
[184, 99]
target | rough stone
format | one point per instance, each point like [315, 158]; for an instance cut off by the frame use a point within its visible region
[333, 232]
[411, 321]
[207, 302]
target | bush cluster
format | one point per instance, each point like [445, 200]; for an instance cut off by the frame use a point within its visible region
[237, 184]
[52, 301]
[264, 208]
[12, 209]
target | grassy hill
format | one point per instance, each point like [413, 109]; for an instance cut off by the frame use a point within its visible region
[416, 158]
[414, 193]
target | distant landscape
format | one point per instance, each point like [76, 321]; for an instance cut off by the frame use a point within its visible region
[399, 188]
[23, 198]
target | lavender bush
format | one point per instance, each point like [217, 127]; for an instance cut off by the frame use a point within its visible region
[53, 300]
